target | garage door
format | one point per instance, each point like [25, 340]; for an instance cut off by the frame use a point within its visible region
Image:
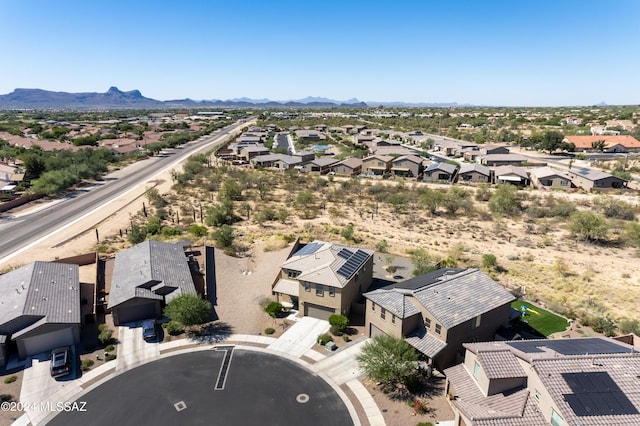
[317, 311]
[375, 331]
[135, 313]
[46, 342]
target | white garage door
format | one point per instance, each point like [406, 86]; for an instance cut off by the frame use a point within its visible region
[317, 311]
[46, 342]
[375, 331]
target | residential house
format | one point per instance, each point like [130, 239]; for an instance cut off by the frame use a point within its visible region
[583, 381]
[591, 179]
[310, 135]
[407, 165]
[453, 148]
[320, 166]
[511, 174]
[474, 173]
[348, 167]
[439, 311]
[305, 156]
[323, 278]
[249, 152]
[440, 172]
[502, 159]
[548, 178]
[612, 143]
[471, 154]
[275, 161]
[376, 164]
[39, 308]
[145, 278]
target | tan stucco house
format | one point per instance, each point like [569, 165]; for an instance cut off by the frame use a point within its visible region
[323, 278]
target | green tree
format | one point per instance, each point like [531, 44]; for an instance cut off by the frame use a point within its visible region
[347, 232]
[223, 236]
[505, 201]
[274, 309]
[551, 141]
[188, 310]
[338, 323]
[588, 226]
[422, 262]
[34, 166]
[387, 359]
[305, 201]
[230, 190]
[489, 261]
[220, 214]
[137, 234]
[599, 145]
[197, 230]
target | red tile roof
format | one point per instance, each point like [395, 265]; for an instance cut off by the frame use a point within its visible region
[585, 142]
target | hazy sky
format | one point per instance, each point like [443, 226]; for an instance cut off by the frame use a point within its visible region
[516, 52]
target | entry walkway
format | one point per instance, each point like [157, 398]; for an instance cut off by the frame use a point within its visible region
[300, 337]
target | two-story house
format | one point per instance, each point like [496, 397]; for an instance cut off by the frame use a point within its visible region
[438, 311]
[407, 165]
[584, 381]
[377, 164]
[323, 278]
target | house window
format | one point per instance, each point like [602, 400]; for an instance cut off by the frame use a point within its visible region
[307, 286]
[476, 322]
[564, 182]
[319, 290]
[332, 292]
[556, 420]
[393, 319]
[383, 313]
[373, 306]
[427, 323]
[476, 369]
[599, 183]
[380, 164]
[537, 395]
[438, 328]
[292, 274]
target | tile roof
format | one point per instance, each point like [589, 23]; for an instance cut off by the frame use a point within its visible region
[445, 167]
[383, 158]
[329, 263]
[290, 287]
[352, 163]
[474, 167]
[592, 174]
[426, 343]
[545, 172]
[510, 170]
[148, 267]
[413, 158]
[393, 301]
[324, 161]
[41, 289]
[500, 364]
[584, 142]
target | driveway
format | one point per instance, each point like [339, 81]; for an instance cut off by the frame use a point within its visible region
[300, 337]
[133, 350]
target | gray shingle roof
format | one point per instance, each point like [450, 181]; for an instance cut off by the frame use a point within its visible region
[445, 167]
[462, 297]
[591, 174]
[393, 301]
[41, 289]
[474, 167]
[147, 268]
[426, 343]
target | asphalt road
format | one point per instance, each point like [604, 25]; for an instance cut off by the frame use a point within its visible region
[260, 389]
[18, 234]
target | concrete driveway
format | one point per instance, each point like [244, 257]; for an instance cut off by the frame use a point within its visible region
[300, 337]
[133, 349]
[41, 392]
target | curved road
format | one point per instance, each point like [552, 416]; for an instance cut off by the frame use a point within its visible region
[19, 234]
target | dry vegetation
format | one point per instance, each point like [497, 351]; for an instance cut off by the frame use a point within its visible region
[574, 252]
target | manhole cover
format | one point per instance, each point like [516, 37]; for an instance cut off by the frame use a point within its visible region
[180, 406]
[302, 398]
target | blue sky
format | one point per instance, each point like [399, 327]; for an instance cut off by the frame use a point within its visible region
[517, 52]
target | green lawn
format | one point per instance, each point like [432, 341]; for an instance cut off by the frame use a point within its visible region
[546, 323]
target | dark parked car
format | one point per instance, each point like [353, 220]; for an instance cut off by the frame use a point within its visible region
[61, 362]
[149, 329]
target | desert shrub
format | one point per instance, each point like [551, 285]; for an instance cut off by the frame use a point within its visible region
[269, 330]
[274, 309]
[102, 327]
[489, 261]
[413, 383]
[588, 226]
[109, 348]
[422, 262]
[197, 230]
[483, 193]
[505, 201]
[86, 364]
[169, 231]
[174, 328]
[338, 323]
[628, 326]
[325, 338]
[105, 336]
[617, 209]
[110, 357]
[347, 233]
[603, 325]
[632, 233]
[346, 337]
[10, 379]
[382, 246]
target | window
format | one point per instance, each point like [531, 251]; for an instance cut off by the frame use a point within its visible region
[476, 369]
[556, 420]
[393, 319]
[383, 313]
[476, 322]
[564, 182]
[438, 328]
[332, 292]
[599, 183]
[537, 395]
[427, 323]
[292, 274]
[307, 286]
[319, 290]
[373, 306]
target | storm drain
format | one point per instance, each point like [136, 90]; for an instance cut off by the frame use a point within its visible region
[302, 398]
[180, 406]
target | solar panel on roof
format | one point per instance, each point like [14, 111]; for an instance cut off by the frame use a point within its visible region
[353, 263]
[345, 253]
[308, 249]
[571, 346]
[596, 394]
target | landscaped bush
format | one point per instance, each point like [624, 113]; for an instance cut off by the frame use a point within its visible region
[269, 330]
[174, 328]
[338, 324]
[346, 337]
[10, 379]
[109, 348]
[325, 338]
[86, 364]
[274, 309]
[5, 397]
[110, 357]
[105, 336]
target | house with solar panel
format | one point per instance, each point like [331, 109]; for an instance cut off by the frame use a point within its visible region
[439, 311]
[322, 278]
[591, 179]
[584, 381]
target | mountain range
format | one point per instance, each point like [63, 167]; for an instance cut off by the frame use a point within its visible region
[114, 98]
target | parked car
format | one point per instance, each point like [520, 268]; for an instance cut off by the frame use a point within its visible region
[149, 329]
[61, 361]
